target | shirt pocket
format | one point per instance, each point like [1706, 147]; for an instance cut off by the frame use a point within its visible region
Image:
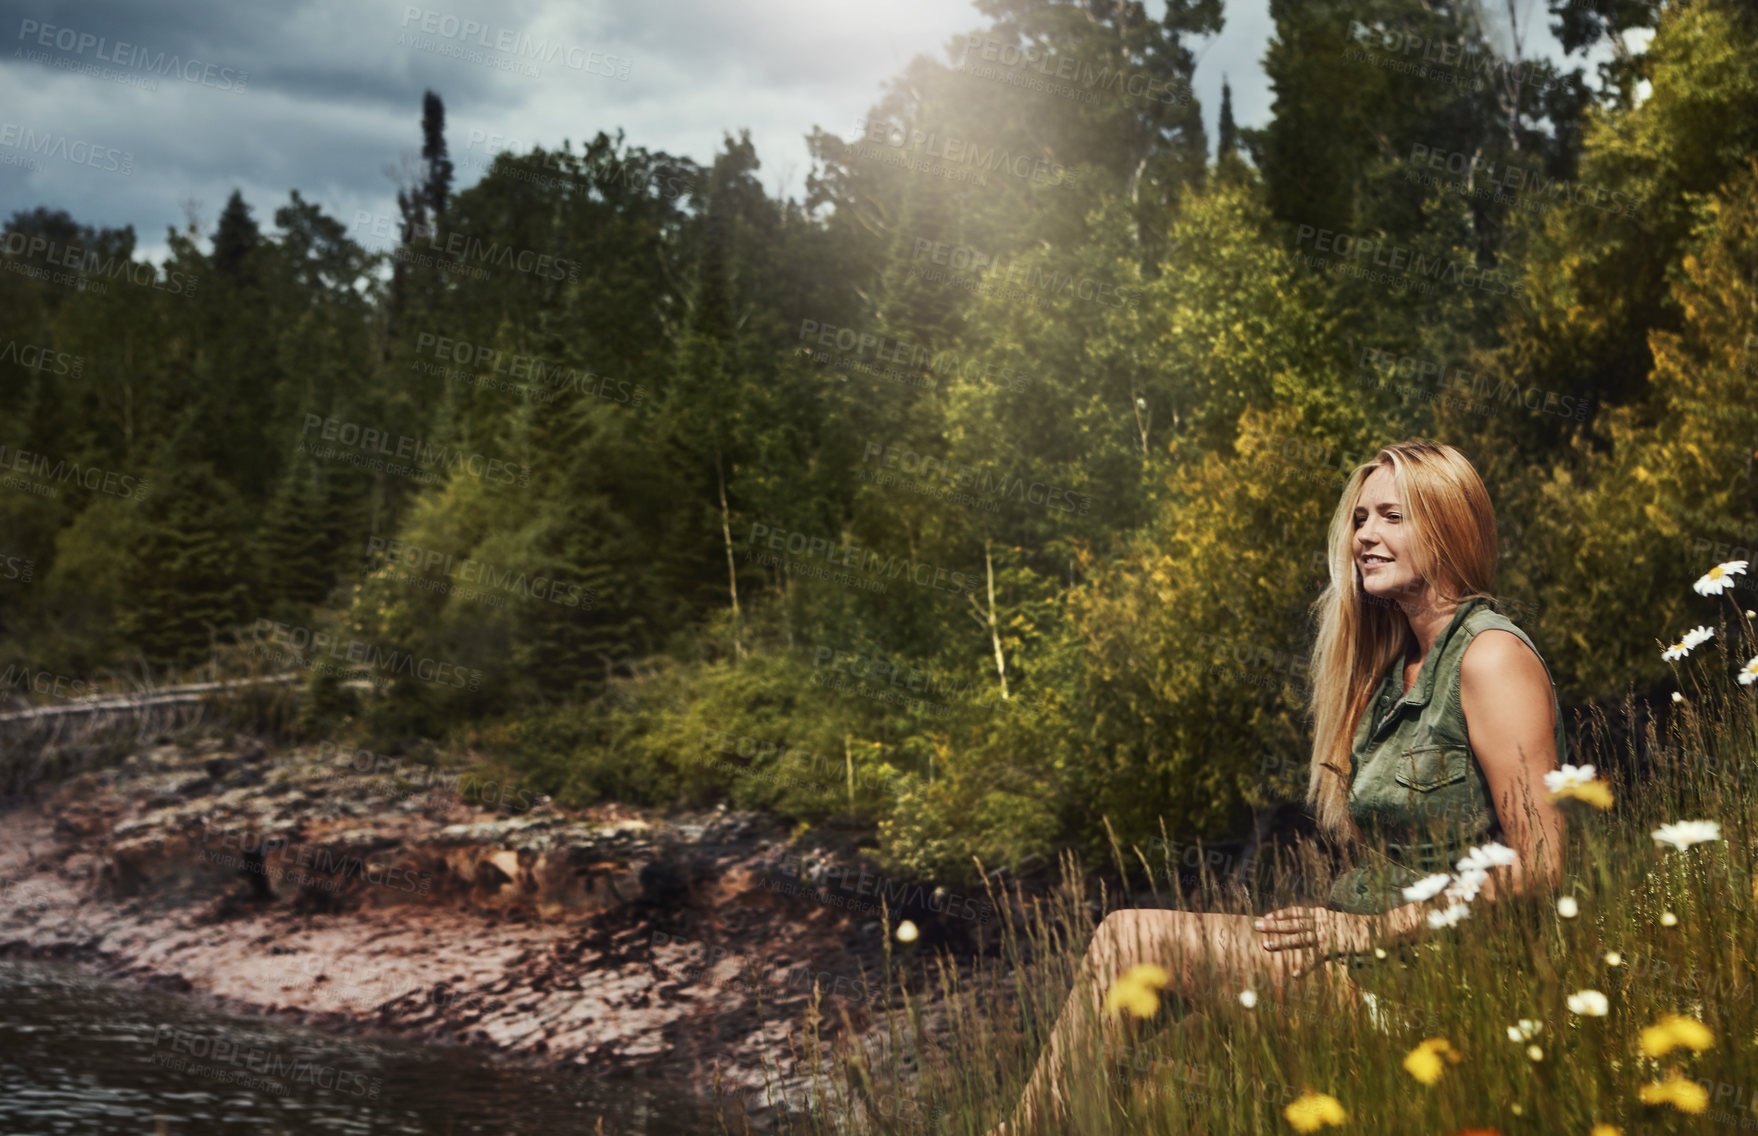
[1431, 767]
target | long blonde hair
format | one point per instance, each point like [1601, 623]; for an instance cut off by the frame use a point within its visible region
[1452, 528]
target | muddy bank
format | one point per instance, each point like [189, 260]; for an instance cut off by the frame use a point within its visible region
[329, 889]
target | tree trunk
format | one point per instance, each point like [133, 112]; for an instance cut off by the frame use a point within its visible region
[988, 620]
[732, 569]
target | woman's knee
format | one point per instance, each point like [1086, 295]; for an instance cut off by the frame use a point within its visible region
[1125, 938]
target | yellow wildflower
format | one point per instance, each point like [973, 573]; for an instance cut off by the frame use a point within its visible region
[1605, 1130]
[1137, 991]
[1671, 1032]
[1424, 1062]
[1686, 1096]
[1595, 793]
[1312, 1111]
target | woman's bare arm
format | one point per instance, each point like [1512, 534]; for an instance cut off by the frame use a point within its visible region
[1506, 695]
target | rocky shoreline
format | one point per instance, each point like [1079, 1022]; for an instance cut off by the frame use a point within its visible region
[338, 890]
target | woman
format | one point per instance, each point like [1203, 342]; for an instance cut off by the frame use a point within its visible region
[1434, 723]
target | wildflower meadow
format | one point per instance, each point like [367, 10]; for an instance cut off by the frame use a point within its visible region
[1622, 1002]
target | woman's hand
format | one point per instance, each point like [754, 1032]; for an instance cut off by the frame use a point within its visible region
[1320, 930]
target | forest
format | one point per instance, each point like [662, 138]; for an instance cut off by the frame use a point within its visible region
[973, 503]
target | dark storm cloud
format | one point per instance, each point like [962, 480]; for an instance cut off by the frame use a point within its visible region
[334, 88]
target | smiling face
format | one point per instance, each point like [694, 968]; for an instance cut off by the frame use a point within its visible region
[1382, 544]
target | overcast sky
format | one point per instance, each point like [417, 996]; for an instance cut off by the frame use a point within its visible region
[323, 95]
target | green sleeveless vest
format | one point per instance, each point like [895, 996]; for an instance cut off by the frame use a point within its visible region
[1415, 782]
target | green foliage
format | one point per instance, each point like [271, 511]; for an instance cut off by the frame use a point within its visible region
[753, 441]
[1656, 932]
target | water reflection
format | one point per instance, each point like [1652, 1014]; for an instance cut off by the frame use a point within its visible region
[80, 1055]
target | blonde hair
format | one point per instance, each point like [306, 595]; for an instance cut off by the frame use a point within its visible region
[1452, 529]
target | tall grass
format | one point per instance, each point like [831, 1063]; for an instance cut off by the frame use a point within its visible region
[958, 1041]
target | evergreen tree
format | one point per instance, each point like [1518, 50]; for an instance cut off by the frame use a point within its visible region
[1229, 133]
[235, 238]
[1229, 166]
[436, 189]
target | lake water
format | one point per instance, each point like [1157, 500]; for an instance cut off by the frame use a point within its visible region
[86, 1056]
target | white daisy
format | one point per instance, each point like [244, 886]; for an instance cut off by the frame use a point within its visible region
[1685, 833]
[1467, 884]
[1719, 578]
[1426, 888]
[1525, 1030]
[1588, 1003]
[1449, 917]
[1749, 673]
[1248, 998]
[1567, 776]
[1692, 640]
[1487, 856]
[1567, 907]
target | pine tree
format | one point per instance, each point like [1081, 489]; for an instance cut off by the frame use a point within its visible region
[235, 238]
[1228, 132]
[436, 190]
[1230, 168]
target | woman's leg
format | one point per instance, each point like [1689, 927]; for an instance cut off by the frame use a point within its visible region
[1209, 957]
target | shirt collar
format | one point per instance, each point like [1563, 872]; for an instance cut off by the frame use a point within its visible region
[1423, 689]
